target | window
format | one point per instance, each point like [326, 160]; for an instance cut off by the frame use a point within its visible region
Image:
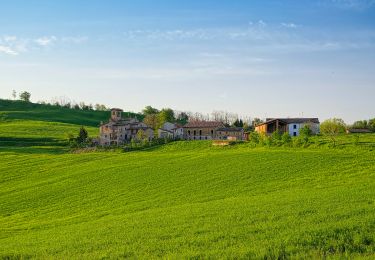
[200, 132]
[294, 126]
[189, 132]
[195, 133]
[294, 134]
[212, 132]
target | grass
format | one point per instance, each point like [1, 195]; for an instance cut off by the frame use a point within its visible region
[182, 200]
[221, 203]
[10, 110]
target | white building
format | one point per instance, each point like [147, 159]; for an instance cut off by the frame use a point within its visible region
[171, 131]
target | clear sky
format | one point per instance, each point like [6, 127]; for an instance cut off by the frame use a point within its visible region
[258, 58]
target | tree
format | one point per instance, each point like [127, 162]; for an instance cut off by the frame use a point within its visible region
[238, 123]
[151, 120]
[286, 138]
[166, 115]
[371, 124]
[14, 94]
[332, 128]
[305, 131]
[25, 96]
[141, 135]
[254, 137]
[100, 107]
[149, 110]
[257, 121]
[361, 124]
[182, 118]
[82, 136]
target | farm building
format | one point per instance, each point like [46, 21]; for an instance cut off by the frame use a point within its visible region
[201, 130]
[289, 125]
[122, 130]
[358, 131]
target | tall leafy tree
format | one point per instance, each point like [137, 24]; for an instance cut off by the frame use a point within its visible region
[25, 96]
[332, 128]
[82, 135]
[149, 110]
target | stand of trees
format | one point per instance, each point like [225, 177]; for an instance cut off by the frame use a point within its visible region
[364, 124]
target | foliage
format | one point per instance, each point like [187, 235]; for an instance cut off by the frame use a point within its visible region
[182, 118]
[286, 138]
[333, 126]
[25, 96]
[82, 135]
[254, 137]
[149, 110]
[152, 121]
[372, 124]
[166, 115]
[360, 124]
[238, 123]
[305, 131]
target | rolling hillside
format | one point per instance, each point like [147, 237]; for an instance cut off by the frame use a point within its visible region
[10, 110]
[181, 200]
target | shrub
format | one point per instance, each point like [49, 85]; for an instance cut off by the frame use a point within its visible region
[286, 138]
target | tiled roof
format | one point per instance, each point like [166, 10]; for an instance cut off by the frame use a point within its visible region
[204, 124]
[295, 120]
[230, 129]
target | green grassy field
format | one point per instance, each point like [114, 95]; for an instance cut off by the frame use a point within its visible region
[182, 200]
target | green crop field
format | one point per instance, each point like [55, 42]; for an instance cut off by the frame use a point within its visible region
[181, 200]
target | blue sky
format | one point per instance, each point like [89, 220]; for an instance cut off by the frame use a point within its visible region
[257, 58]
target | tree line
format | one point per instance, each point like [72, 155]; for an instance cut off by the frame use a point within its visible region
[63, 102]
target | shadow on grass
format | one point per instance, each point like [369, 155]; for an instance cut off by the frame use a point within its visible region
[32, 145]
[27, 142]
[34, 150]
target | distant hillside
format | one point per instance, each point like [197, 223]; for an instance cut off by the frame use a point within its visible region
[10, 109]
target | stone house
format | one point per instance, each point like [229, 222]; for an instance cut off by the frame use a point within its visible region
[201, 130]
[120, 130]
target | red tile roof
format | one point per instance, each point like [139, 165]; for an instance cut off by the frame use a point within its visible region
[204, 124]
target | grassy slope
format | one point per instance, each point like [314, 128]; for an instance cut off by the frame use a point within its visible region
[10, 110]
[183, 199]
[207, 202]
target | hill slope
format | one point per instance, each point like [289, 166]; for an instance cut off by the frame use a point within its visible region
[198, 203]
[10, 110]
[185, 199]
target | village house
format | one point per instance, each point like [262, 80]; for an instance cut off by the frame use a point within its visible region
[120, 130]
[288, 125]
[171, 131]
[201, 130]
